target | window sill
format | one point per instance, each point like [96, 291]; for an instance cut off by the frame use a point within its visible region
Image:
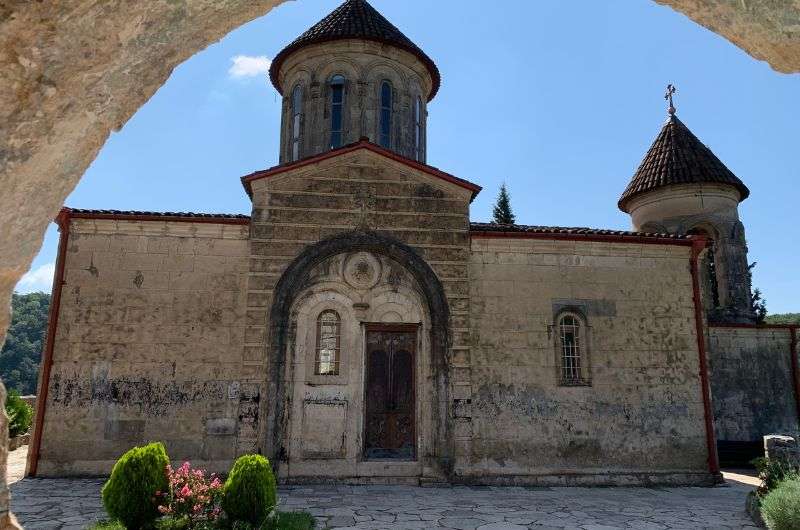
[574, 382]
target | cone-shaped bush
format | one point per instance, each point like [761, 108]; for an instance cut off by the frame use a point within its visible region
[129, 495]
[249, 493]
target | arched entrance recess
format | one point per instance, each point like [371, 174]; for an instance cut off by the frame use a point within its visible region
[293, 282]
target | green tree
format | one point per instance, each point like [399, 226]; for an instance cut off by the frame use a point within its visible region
[757, 301]
[22, 351]
[502, 208]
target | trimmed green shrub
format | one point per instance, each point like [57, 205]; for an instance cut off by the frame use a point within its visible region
[780, 508]
[249, 493]
[130, 493]
[20, 414]
[772, 472]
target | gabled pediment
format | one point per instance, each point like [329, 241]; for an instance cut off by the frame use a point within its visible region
[363, 155]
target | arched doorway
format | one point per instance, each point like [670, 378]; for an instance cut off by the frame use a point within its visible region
[358, 353]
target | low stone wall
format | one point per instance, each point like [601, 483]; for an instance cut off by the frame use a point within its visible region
[783, 447]
[752, 388]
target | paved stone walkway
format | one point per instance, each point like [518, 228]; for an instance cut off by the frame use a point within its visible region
[73, 503]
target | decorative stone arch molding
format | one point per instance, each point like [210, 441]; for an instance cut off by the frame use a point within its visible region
[294, 281]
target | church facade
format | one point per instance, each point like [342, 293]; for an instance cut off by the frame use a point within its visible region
[357, 327]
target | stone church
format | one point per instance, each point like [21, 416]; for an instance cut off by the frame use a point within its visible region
[357, 327]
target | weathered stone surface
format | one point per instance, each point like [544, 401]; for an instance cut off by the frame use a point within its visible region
[74, 71]
[366, 66]
[751, 383]
[767, 30]
[782, 447]
[639, 355]
[149, 345]
[59, 503]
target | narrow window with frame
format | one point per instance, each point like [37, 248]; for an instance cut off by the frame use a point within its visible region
[419, 132]
[297, 112]
[572, 350]
[328, 343]
[337, 110]
[385, 139]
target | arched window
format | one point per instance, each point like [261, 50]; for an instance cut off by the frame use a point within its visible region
[328, 343]
[297, 112]
[708, 269]
[419, 132]
[573, 364]
[385, 139]
[337, 110]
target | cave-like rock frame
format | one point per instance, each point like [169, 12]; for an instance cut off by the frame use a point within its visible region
[75, 70]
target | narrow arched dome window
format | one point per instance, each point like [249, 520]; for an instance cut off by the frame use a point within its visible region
[328, 343]
[419, 132]
[385, 139]
[297, 113]
[337, 110]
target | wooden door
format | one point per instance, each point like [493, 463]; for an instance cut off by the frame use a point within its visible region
[390, 417]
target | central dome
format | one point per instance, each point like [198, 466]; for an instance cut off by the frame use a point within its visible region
[353, 75]
[355, 19]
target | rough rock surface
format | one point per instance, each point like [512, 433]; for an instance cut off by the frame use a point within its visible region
[73, 71]
[766, 29]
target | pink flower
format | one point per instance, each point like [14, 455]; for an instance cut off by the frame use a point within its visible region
[185, 491]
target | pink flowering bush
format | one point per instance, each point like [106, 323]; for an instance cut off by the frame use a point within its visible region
[191, 495]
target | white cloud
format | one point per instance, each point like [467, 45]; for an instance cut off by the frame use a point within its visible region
[248, 66]
[39, 279]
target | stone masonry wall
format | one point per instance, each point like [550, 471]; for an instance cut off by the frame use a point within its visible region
[751, 383]
[643, 410]
[362, 189]
[365, 65]
[149, 345]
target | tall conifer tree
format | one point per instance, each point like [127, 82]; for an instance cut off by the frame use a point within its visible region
[502, 208]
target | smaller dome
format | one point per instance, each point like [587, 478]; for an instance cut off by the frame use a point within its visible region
[355, 19]
[677, 156]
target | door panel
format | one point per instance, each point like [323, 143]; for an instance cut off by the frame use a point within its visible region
[389, 430]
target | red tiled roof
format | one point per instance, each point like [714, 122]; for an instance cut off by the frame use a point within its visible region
[136, 215]
[678, 157]
[490, 228]
[355, 19]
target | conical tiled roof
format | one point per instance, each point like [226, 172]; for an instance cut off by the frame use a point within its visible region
[678, 157]
[355, 19]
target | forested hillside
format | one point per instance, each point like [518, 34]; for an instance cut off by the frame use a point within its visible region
[19, 359]
[785, 318]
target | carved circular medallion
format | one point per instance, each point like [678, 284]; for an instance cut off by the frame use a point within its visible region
[362, 270]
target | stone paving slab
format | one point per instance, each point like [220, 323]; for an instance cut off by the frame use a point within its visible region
[56, 504]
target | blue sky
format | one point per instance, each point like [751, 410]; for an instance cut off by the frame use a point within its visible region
[559, 99]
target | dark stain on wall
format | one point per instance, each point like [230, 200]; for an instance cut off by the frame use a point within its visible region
[751, 384]
[154, 398]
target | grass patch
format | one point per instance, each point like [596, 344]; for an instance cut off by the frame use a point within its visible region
[106, 525]
[295, 521]
[286, 521]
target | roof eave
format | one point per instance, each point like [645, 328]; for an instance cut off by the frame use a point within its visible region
[361, 144]
[627, 198]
